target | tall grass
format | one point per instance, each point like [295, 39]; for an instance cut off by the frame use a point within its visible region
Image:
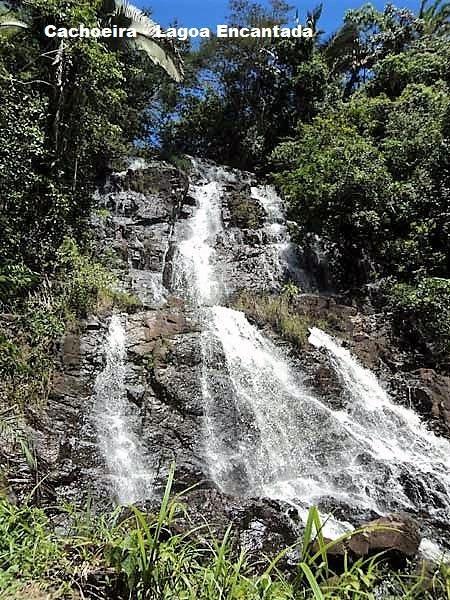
[280, 312]
[139, 556]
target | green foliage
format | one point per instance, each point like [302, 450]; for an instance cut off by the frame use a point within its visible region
[15, 280]
[80, 285]
[82, 280]
[435, 15]
[338, 186]
[244, 95]
[422, 315]
[426, 62]
[68, 110]
[371, 175]
[157, 557]
[12, 363]
[283, 314]
[28, 550]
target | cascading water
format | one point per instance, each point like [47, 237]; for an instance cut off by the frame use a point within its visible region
[116, 424]
[286, 262]
[266, 434]
[196, 252]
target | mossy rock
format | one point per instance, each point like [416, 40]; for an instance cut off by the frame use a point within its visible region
[156, 179]
[245, 211]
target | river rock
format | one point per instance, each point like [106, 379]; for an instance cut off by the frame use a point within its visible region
[392, 533]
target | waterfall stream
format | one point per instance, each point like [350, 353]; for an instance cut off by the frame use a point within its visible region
[266, 433]
[116, 424]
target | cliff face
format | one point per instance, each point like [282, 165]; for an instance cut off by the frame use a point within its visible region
[160, 383]
[143, 214]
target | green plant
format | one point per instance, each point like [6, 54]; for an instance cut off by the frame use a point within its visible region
[123, 13]
[153, 558]
[111, 298]
[282, 314]
[28, 549]
[15, 281]
[290, 290]
[421, 315]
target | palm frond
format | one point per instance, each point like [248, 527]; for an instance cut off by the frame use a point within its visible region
[146, 30]
[138, 20]
[159, 57]
[14, 25]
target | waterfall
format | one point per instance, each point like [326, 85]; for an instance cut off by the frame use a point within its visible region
[196, 277]
[286, 260]
[116, 423]
[266, 433]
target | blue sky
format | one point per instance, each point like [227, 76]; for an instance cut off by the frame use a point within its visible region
[208, 13]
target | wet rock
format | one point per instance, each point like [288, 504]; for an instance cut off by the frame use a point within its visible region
[156, 178]
[392, 533]
[245, 212]
[261, 527]
[93, 324]
[431, 395]
[145, 330]
[68, 385]
[71, 351]
[135, 394]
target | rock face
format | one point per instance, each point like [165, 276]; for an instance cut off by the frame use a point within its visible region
[261, 527]
[143, 213]
[431, 395]
[138, 210]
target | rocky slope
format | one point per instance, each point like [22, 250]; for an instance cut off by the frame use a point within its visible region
[142, 212]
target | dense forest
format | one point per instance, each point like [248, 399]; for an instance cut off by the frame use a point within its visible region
[353, 130]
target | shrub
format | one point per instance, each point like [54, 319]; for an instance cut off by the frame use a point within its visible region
[82, 280]
[281, 313]
[422, 316]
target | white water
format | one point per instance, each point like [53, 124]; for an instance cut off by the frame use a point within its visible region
[284, 252]
[116, 422]
[267, 434]
[196, 275]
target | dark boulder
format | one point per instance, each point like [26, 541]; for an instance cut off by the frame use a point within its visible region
[261, 527]
[394, 533]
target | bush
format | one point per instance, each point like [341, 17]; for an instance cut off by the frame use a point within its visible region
[422, 316]
[338, 186]
[82, 280]
[281, 313]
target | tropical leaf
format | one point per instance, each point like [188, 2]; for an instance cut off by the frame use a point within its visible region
[14, 25]
[159, 57]
[436, 16]
[125, 14]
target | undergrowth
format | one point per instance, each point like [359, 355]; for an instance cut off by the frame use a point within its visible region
[280, 312]
[131, 555]
[35, 312]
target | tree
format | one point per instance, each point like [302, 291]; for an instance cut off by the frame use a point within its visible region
[366, 37]
[435, 15]
[248, 93]
[70, 108]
